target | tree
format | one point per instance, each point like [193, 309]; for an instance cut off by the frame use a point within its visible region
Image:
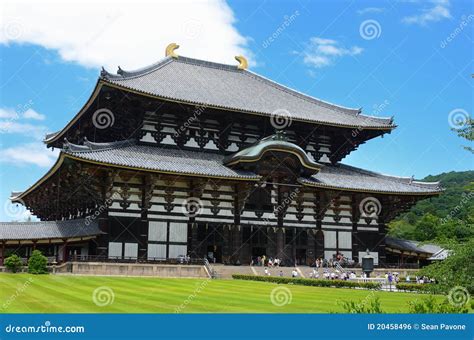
[13, 263]
[425, 229]
[466, 131]
[37, 263]
[456, 270]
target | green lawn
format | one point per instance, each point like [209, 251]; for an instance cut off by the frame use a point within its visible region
[24, 293]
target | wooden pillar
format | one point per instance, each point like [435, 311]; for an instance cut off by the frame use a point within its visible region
[2, 260]
[237, 244]
[280, 243]
[310, 250]
[293, 246]
[194, 245]
[65, 256]
[355, 216]
[147, 194]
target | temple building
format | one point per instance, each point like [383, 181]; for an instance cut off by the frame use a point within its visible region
[191, 157]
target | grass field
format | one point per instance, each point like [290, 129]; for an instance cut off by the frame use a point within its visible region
[24, 293]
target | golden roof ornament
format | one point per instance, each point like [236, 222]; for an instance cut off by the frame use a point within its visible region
[169, 51]
[243, 64]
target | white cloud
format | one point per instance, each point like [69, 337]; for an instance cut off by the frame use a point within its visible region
[22, 112]
[32, 114]
[7, 113]
[370, 10]
[131, 34]
[438, 10]
[30, 153]
[322, 52]
[15, 127]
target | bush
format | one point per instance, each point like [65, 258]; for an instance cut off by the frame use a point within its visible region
[310, 282]
[370, 305]
[13, 263]
[429, 305]
[37, 263]
[417, 287]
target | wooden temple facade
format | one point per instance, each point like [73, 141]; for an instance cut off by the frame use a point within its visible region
[189, 157]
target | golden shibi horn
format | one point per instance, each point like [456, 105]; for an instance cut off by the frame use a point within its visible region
[170, 50]
[243, 64]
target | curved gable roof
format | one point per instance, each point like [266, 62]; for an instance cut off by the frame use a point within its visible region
[224, 86]
[274, 143]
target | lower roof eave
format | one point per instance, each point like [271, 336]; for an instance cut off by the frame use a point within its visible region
[53, 240]
[305, 182]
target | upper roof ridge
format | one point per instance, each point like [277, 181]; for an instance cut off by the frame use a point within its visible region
[95, 146]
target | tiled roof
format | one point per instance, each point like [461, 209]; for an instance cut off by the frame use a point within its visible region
[338, 176]
[225, 86]
[402, 244]
[436, 252]
[343, 176]
[440, 255]
[48, 229]
[158, 159]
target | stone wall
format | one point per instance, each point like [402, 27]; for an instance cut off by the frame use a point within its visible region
[126, 269]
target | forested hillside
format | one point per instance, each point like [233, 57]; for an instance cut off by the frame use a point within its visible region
[451, 215]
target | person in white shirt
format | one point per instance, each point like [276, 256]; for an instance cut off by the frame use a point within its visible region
[267, 272]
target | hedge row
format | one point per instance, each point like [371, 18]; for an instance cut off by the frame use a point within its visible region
[310, 282]
[416, 287]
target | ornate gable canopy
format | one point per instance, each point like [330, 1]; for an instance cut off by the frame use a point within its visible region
[273, 153]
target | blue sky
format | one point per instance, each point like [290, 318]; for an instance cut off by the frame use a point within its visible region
[409, 59]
